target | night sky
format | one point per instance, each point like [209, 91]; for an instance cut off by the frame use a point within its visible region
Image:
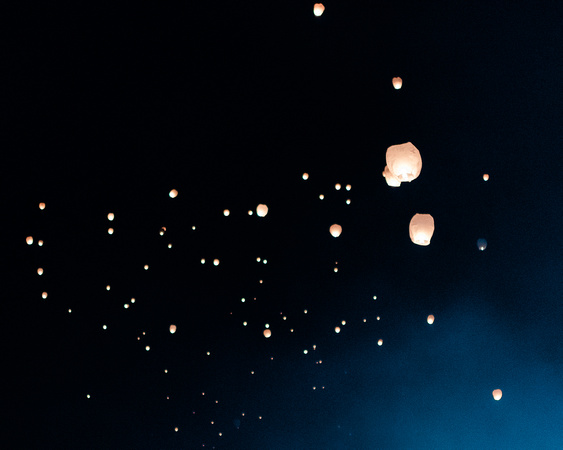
[108, 109]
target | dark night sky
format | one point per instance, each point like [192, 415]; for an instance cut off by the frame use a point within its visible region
[108, 109]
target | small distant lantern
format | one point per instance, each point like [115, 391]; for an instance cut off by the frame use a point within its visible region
[40, 243]
[380, 342]
[318, 9]
[44, 295]
[261, 210]
[41, 206]
[337, 186]
[348, 187]
[215, 262]
[110, 230]
[162, 231]
[421, 229]
[335, 230]
[404, 161]
[390, 179]
[267, 333]
[226, 212]
[305, 176]
[481, 244]
[430, 319]
[111, 216]
[485, 177]
[147, 348]
[397, 82]
[497, 394]
[337, 329]
[173, 193]
[40, 271]
[172, 329]
[29, 240]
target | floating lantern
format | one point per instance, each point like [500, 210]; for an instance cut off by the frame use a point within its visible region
[162, 231]
[305, 176]
[41, 206]
[430, 319]
[40, 271]
[337, 186]
[337, 329]
[497, 394]
[267, 333]
[486, 177]
[481, 244]
[261, 210]
[147, 348]
[335, 230]
[44, 295]
[40, 243]
[397, 82]
[348, 187]
[29, 240]
[404, 161]
[318, 9]
[215, 262]
[421, 229]
[173, 193]
[172, 329]
[380, 342]
[110, 230]
[390, 179]
[111, 216]
[226, 212]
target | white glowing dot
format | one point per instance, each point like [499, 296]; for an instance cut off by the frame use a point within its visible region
[380, 342]
[173, 193]
[193, 228]
[126, 305]
[133, 300]
[243, 300]
[375, 297]
[165, 370]
[44, 295]
[343, 322]
[486, 177]
[321, 196]
[162, 230]
[176, 429]
[87, 395]
[284, 317]
[169, 245]
[40, 271]
[267, 325]
[497, 394]
[337, 186]
[147, 348]
[69, 310]
[378, 317]
[111, 216]
[337, 329]
[40, 243]
[365, 320]
[215, 262]
[226, 212]
[105, 327]
[291, 331]
[305, 351]
[110, 230]
[29, 240]
[430, 319]
[258, 259]
[318, 9]
[146, 267]
[108, 287]
[305, 176]
[208, 353]
[245, 323]
[203, 260]
[348, 202]
[336, 269]
[265, 261]
[305, 311]
[348, 187]
[250, 212]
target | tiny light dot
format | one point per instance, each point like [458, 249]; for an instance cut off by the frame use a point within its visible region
[305, 176]
[348, 202]
[245, 323]
[146, 267]
[284, 317]
[133, 300]
[147, 348]
[321, 196]
[44, 295]
[165, 370]
[176, 429]
[336, 269]
[41, 206]
[69, 311]
[169, 245]
[291, 330]
[258, 259]
[337, 329]
[162, 230]
[343, 322]
[215, 262]
[193, 228]
[29, 240]
[40, 243]
[105, 327]
[108, 287]
[305, 351]
[337, 186]
[110, 230]
[40, 271]
[249, 212]
[126, 305]
[305, 311]
[365, 320]
[430, 319]
[226, 212]
[265, 261]
[243, 300]
[203, 260]
[378, 317]
[486, 177]
[375, 297]
[380, 342]
[267, 325]
[87, 395]
[111, 216]
[208, 353]
[348, 187]
[173, 193]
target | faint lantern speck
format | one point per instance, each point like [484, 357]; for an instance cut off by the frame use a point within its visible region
[261, 210]
[215, 262]
[173, 193]
[305, 176]
[267, 333]
[430, 319]
[172, 329]
[318, 9]
[486, 177]
[482, 244]
[397, 82]
[40, 271]
[44, 295]
[29, 240]
[337, 186]
[110, 230]
[40, 243]
[111, 216]
[337, 329]
[226, 212]
[41, 206]
[497, 394]
[380, 342]
[147, 348]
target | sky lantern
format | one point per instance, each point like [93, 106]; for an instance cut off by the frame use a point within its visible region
[318, 9]
[215, 262]
[486, 177]
[172, 329]
[337, 329]
[497, 394]
[481, 244]
[305, 176]
[173, 193]
[335, 230]
[390, 179]
[421, 229]
[110, 230]
[44, 295]
[261, 210]
[40, 271]
[40, 243]
[397, 82]
[430, 319]
[337, 186]
[267, 333]
[404, 161]
[29, 240]
[226, 212]
[380, 342]
[111, 216]
[41, 206]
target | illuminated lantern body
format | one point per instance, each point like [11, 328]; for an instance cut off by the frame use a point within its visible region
[261, 210]
[42, 206]
[390, 178]
[481, 244]
[305, 176]
[404, 161]
[497, 394]
[318, 9]
[421, 229]
[267, 333]
[172, 329]
[40, 271]
[430, 319]
[380, 342]
[335, 230]
[337, 329]
[29, 240]
[486, 177]
[397, 83]
[173, 193]
[111, 216]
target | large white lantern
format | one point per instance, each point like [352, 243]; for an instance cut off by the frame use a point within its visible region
[390, 178]
[421, 229]
[261, 210]
[335, 230]
[404, 161]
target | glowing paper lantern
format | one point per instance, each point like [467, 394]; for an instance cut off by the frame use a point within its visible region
[318, 9]
[29, 240]
[162, 230]
[397, 83]
[172, 329]
[404, 161]
[173, 193]
[337, 186]
[421, 229]
[110, 230]
[390, 179]
[40, 271]
[335, 230]
[44, 295]
[497, 394]
[305, 176]
[481, 244]
[40, 243]
[380, 342]
[430, 319]
[111, 216]
[226, 212]
[486, 177]
[261, 210]
[267, 333]
[337, 329]
[41, 206]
